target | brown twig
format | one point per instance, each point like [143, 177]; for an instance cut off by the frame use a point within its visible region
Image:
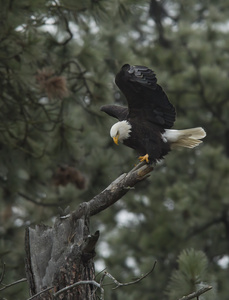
[120, 284]
[13, 283]
[61, 13]
[3, 272]
[79, 283]
[41, 292]
[197, 293]
[98, 285]
[196, 230]
[26, 197]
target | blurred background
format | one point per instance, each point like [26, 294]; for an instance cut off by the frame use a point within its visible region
[58, 60]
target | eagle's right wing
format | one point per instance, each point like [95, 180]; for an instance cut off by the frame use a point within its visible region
[116, 111]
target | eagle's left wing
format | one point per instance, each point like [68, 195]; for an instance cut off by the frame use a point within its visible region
[146, 99]
[116, 111]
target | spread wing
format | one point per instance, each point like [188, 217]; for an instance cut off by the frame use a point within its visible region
[146, 99]
[118, 112]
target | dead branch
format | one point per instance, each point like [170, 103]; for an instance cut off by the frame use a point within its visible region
[99, 285]
[41, 292]
[197, 293]
[53, 264]
[3, 272]
[78, 283]
[13, 283]
[119, 284]
[55, 204]
[118, 188]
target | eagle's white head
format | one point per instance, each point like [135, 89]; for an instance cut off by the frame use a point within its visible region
[120, 131]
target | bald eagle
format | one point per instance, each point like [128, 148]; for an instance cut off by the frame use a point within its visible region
[146, 124]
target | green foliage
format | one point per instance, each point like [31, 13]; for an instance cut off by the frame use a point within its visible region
[191, 274]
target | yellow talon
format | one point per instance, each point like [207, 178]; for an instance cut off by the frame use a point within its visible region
[145, 157]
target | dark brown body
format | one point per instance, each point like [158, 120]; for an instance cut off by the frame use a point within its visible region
[146, 138]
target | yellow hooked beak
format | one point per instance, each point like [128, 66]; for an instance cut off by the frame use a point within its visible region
[115, 139]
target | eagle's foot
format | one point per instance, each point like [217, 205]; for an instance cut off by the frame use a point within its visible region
[144, 158]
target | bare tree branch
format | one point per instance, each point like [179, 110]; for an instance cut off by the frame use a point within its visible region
[119, 284]
[98, 285]
[70, 240]
[198, 229]
[3, 271]
[55, 204]
[13, 283]
[118, 188]
[41, 292]
[197, 293]
[78, 283]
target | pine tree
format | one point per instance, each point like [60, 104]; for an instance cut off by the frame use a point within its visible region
[191, 275]
[58, 61]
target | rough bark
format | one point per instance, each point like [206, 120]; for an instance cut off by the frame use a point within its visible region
[61, 255]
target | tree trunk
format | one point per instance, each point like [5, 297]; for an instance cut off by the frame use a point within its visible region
[59, 256]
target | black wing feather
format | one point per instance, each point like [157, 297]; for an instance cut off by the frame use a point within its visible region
[146, 99]
[116, 111]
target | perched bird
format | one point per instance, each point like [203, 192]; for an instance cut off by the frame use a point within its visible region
[145, 124]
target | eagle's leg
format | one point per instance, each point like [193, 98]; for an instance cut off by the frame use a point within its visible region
[144, 158]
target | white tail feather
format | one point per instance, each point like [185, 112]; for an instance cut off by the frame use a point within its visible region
[188, 138]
